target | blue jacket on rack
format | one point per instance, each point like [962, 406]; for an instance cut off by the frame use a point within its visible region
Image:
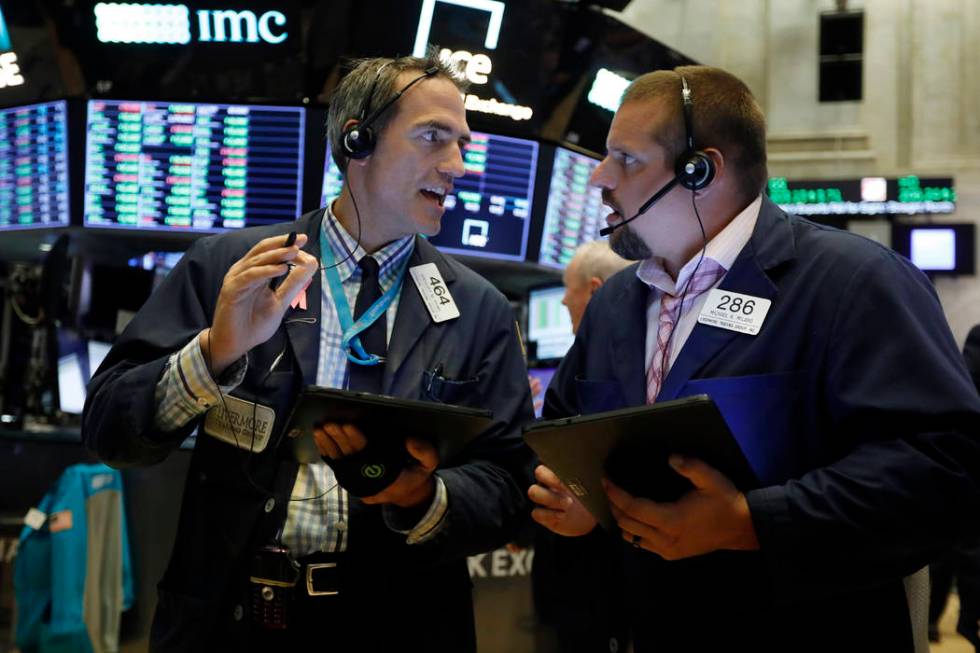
[73, 576]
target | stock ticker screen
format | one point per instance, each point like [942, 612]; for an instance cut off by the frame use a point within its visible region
[34, 166]
[489, 210]
[191, 166]
[575, 212]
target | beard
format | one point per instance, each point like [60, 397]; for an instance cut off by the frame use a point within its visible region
[625, 242]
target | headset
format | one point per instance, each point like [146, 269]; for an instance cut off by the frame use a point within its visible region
[358, 140]
[694, 169]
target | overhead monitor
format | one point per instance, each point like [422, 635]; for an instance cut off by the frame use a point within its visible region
[34, 166]
[549, 327]
[937, 248]
[489, 210]
[575, 211]
[192, 167]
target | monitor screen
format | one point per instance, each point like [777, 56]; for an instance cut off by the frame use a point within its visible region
[937, 248]
[191, 166]
[489, 210]
[575, 211]
[159, 263]
[34, 166]
[78, 360]
[549, 326]
[543, 376]
[333, 180]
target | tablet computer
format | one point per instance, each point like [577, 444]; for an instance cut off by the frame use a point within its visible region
[450, 428]
[631, 447]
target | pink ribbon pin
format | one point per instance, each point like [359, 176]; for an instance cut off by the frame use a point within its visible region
[300, 298]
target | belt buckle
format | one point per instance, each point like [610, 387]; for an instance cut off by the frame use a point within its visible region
[310, 568]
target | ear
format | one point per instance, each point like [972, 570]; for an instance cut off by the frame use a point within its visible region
[594, 284]
[718, 160]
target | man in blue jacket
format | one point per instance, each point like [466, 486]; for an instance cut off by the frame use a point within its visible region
[829, 357]
[220, 347]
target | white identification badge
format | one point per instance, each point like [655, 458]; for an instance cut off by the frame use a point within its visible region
[434, 292]
[734, 311]
[35, 518]
[244, 424]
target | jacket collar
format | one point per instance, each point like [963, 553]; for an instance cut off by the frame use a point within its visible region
[772, 244]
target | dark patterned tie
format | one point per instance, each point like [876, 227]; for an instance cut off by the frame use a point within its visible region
[367, 378]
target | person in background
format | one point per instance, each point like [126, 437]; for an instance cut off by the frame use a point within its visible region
[277, 551]
[591, 266]
[832, 362]
[576, 582]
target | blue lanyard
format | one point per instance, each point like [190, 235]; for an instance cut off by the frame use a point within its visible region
[350, 342]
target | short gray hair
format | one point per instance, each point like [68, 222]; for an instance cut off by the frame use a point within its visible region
[381, 74]
[596, 259]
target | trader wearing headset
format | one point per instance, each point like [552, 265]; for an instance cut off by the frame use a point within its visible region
[842, 384]
[272, 553]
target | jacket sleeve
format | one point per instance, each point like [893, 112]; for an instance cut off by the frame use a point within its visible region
[119, 419]
[902, 415]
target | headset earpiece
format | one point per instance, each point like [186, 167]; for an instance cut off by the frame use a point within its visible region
[357, 141]
[694, 168]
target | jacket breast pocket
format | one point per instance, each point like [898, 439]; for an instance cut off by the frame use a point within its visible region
[597, 396]
[767, 416]
[459, 392]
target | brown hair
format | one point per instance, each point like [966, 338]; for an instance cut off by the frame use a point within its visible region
[379, 74]
[724, 116]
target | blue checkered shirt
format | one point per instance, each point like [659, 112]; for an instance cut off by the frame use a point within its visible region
[187, 390]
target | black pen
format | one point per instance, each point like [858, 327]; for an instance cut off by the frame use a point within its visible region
[290, 241]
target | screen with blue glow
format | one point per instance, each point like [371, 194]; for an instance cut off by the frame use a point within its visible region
[543, 375]
[549, 326]
[575, 212]
[34, 166]
[192, 167]
[333, 180]
[488, 212]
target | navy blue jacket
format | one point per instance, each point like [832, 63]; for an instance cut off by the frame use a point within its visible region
[854, 408]
[226, 515]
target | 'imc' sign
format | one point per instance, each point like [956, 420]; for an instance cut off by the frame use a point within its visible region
[230, 26]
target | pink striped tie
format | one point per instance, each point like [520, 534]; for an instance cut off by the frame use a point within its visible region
[704, 278]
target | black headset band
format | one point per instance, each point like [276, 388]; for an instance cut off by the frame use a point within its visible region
[688, 108]
[367, 121]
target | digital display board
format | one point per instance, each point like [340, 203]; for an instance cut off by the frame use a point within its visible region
[192, 167]
[489, 210]
[575, 212]
[869, 196]
[549, 325]
[34, 166]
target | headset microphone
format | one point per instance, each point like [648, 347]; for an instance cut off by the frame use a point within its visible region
[666, 188]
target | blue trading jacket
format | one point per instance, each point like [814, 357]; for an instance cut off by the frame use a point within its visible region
[73, 577]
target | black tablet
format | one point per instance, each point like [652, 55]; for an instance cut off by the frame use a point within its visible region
[448, 427]
[631, 447]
